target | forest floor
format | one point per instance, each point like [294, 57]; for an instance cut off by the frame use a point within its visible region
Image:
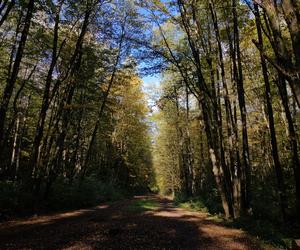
[143, 222]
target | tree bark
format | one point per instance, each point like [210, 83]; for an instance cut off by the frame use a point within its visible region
[103, 104]
[8, 90]
[45, 103]
[8, 9]
[292, 138]
[246, 181]
[275, 155]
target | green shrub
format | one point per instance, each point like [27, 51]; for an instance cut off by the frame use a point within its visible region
[88, 193]
[280, 236]
[8, 196]
[207, 202]
[14, 199]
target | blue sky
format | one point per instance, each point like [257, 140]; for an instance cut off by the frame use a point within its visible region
[148, 81]
[150, 87]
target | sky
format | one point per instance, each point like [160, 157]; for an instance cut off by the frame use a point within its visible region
[150, 87]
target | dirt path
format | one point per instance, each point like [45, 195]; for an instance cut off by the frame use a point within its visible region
[118, 226]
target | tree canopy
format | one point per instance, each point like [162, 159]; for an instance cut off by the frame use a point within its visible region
[75, 115]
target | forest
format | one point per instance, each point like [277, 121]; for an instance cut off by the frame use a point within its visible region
[217, 124]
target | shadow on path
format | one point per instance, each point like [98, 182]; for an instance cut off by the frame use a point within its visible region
[117, 227]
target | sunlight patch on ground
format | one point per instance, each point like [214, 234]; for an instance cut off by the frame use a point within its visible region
[79, 245]
[51, 218]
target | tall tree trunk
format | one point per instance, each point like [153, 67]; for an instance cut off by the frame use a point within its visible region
[277, 165]
[246, 181]
[216, 165]
[12, 78]
[230, 123]
[45, 103]
[284, 59]
[15, 146]
[66, 104]
[103, 104]
[188, 145]
[292, 138]
[8, 9]
[293, 21]
[211, 130]
[182, 160]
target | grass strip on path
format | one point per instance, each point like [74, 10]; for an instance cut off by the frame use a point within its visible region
[143, 204]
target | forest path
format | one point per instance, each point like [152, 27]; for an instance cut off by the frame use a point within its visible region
[144, 222]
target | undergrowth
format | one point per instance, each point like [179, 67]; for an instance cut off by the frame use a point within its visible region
[268, 232]
[17, 200]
